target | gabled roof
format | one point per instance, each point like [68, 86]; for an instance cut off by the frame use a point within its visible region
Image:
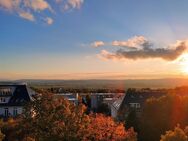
[140, 96]
[117, 103]
[19, 96]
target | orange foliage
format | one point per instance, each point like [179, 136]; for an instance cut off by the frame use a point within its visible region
[102, 128]
[57, 119]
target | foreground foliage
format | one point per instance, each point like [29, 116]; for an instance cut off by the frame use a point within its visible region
[177, 135]
[163, 114]
[51, 118]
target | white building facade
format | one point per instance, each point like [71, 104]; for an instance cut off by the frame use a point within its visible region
[12, 99]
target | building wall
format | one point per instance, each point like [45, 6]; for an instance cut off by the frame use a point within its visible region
[113, 112]
[11, 111]
[98, 98]
[94, 101]
[4, 99]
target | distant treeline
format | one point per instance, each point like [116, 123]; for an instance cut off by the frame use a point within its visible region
[84, 90]
[180, 90]
[108, 84]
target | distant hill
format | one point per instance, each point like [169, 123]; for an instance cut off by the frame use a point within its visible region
[109, 84]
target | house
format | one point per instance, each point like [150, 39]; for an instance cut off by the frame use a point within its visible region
[115, 106]
[12, 99]
[72, 97]
[135, 99]
[98, 98]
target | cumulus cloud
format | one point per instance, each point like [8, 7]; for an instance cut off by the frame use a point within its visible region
[37, 5]
[17, 5]
[25, 8]
[97, 44]
[106, 55]
[134, 42]
[148, 50]
[49, 20]
[27, 16]
[35, 9]
[9, 4]
[73, 4]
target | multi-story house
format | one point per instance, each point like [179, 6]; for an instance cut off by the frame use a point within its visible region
[135, 99]
[98, 98]
[12, 99]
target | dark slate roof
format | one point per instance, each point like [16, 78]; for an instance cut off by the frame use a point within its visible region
[140, 96]
[19, 97]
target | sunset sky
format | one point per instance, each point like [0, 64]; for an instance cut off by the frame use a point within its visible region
[93, 39]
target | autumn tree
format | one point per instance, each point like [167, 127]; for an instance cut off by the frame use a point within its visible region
[88, 100]
[163, 114]
[2, 136]
[177, 135]
[103, 128]
[53, 118]
[8, 128]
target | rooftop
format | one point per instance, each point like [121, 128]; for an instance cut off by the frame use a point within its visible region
[19, 94]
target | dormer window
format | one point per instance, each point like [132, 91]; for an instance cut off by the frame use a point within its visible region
[2, 100]
[135, 105]
[5, 91]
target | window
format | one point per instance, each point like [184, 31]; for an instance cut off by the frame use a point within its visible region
[6, 112]
[138, 105]
[15, 112]
[134, 105]
[2, 100]
[5, 91]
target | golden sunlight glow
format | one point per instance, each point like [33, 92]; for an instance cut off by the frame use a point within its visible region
[184, 63]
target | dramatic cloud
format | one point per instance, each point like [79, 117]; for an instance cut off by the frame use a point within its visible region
[146, 51]
[36, 9]
[97, 44]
